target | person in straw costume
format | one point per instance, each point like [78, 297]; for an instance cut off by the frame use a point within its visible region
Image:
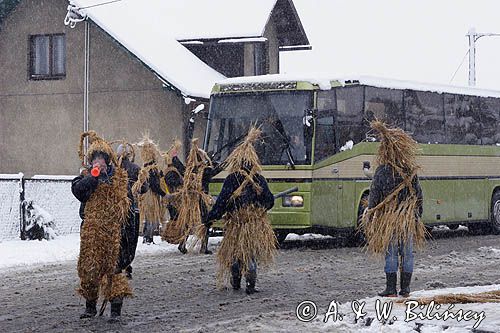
[192, 202]
[392, 221]
[243, 201]
[104, 210]
[174, 174]
[150, 203]
[130, 234]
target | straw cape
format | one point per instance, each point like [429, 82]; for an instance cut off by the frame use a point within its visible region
[105, 213]
[150, 203]
[189, 199]
[394, 219]
[492, 296]
[247, 231]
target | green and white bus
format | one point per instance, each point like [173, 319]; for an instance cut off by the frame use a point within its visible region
[316, 136]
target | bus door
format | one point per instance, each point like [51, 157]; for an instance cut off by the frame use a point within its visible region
[327, 187]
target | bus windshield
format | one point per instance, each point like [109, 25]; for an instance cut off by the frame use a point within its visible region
[286, 138]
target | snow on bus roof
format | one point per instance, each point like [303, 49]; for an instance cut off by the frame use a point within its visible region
[325, 83]
[144, 28]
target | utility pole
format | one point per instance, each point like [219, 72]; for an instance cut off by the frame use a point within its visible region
[473, 37]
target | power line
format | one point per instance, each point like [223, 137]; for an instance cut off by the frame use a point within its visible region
[465, 56]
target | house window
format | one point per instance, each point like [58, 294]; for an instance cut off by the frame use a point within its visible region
[47, 57]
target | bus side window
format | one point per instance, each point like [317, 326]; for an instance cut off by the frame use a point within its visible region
[349, 123]
[425, 116]
[325, 144]
[462, 119]
[384, 104]
[490, 120]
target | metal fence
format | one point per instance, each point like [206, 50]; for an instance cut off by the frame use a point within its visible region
[52, 193]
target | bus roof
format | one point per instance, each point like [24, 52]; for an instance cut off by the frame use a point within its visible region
[304, 82]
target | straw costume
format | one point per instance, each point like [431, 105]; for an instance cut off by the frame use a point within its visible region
[392, 221]
[104, 210]
[191, 200]
[150, 203]
[174, 173]
[243, 201]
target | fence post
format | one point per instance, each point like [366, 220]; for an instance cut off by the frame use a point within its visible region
[22, 207]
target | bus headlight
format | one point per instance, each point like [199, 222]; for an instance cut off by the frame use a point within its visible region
[293, 201]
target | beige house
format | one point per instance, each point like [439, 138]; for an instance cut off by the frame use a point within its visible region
[124, 69]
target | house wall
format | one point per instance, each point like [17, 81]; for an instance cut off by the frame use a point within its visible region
[41, 121]
[271, 34]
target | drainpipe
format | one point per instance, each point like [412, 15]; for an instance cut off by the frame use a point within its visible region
[86, 76]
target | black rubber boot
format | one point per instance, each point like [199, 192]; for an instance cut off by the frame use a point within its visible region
[251, 279]
[128, 272]
[182, 248]
[405, 280]
[390, 289]
[235, 276]
[90, 310]
[116, 307]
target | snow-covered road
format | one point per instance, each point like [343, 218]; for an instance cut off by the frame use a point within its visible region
[177, 293]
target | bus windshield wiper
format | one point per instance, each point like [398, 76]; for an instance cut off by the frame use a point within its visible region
[227, 145]
[278, 126]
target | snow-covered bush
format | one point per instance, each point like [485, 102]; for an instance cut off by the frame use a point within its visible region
[39, 223]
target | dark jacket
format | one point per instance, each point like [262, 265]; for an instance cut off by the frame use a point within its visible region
[385, 180]
[84, 185]
[174, 179]
[154, 180]
[208, 174]
[225, 204]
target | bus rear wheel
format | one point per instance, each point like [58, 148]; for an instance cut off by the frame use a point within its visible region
[495, 213]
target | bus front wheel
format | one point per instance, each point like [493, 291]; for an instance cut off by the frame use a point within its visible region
[495, 213]
[357, 236]
[280, 237]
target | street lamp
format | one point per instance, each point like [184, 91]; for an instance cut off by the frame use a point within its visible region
[473, 37]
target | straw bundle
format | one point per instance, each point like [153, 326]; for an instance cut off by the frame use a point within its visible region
[484, 297]
[247, 234]
[244, 160]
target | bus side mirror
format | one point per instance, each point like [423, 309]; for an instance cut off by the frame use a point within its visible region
[309, 115]
[366, 169]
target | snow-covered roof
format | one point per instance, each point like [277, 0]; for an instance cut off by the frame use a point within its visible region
[143, 28]
[326, 82]
[204, 19]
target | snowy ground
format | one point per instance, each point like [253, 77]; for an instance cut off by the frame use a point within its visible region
[175, 292]
[18, 253]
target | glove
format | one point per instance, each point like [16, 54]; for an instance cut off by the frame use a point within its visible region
[153, 174]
